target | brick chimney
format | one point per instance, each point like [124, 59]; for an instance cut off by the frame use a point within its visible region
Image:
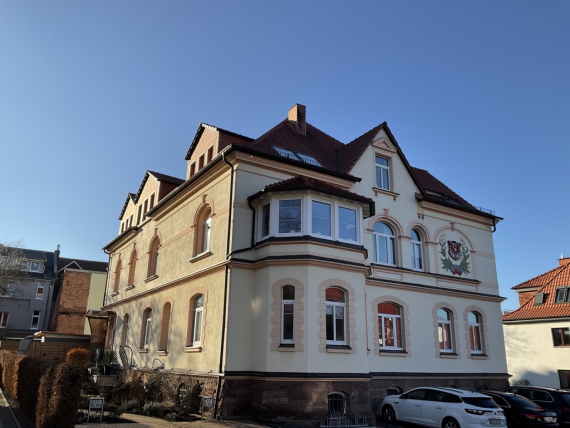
[298, 115]
[563, 261]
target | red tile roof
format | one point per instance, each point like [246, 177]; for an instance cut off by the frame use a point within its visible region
[549, 281]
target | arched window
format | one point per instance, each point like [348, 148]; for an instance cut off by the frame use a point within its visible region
[164, 327]
[474, 320]
[389, 326]
[132, 266]
[337, 403]
[384, 251]
[147, 321]
[335, 318]
[287, 314]
[117, 277]
[417, 254]
[153, 257]
[205, 230]
[196, 316]
[125, 335]
[444, 324]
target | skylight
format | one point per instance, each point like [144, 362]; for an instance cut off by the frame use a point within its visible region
[297, 156]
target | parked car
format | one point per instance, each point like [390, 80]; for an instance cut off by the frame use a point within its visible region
[443, 408]
[521, 412]
[555, 400]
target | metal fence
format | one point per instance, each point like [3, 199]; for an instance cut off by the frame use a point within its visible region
[348, 420]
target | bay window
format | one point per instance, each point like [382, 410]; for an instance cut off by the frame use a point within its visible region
[290, 216]
[321, 218]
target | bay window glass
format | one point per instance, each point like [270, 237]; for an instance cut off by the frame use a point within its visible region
[288, 313]
[444, 330]
[383, 244]
[347, 224]
[335, 319]
[389, 326]
[321, 218]
[265, 215]
[382, 173]
[417, 257]
[474, 320]
[290, 216]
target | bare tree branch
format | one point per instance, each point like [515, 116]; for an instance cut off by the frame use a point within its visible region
[13, 267]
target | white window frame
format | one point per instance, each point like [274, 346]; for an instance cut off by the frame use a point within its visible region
[382, 168]
[4, 317]
[197, 313]
[390, 249]
[397, 325]
[41, 286]
[475, 329]
[334, 306]
[332, 219]
[35, 316]
[206, 228]
[261, 219]
[283, 303]
[39, 269]
[147, 326]
[278, 212]
[442, 331]
[358, 225]
[417, 249]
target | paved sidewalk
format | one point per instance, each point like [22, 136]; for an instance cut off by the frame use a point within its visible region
[140, 421]
[7, 419]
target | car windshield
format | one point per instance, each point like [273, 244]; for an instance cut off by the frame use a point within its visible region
[485, 402]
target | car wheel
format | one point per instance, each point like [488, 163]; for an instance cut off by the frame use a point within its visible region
[388, 414]
[450, 423]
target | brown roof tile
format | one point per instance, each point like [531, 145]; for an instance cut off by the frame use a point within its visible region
[351, 152]
[429, 182]
[83, 264]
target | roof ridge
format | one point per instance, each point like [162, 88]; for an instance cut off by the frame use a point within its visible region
[541, 275]
[258, 139]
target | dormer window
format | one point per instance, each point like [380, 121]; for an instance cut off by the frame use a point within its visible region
[562, 295]
[308, 159]
[297, 156]
[35, 266]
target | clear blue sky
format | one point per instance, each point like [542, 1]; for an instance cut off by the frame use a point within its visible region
[94, 93]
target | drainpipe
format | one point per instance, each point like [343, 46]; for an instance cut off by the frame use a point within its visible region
[226, 287]
[494, 226]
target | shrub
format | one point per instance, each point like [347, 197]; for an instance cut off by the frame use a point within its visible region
[79, 356]
[10, 369]
[30, 373]
[131, 405]
[154, 409]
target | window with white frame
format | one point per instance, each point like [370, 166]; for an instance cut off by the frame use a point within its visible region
[287, 314]
[444, 330]
[389, 326]
[290, 216]
[147, 321]
[265, 219]
[4, 319]
[335, 318]
[382, 173]
[40, 291]
[321, 220]
[197, 315]
[383, 245]
[347, 224]
[205, 232]
[474, 320]
[35, 320]
[417, 256]
[35, 266]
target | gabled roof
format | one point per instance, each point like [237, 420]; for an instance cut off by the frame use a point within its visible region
[231, 137]
[351, 152]
[306, 183]
[159, 177]
[64, 263]
[551, 280]
[444, 193]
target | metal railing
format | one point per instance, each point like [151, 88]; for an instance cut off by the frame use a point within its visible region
[348, 420]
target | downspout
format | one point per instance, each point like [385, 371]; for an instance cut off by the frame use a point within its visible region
[494, 226]
[226, 285]
[252, 223]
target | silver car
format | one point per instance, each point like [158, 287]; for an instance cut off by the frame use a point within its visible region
[443, 407]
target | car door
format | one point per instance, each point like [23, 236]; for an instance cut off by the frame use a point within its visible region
[435, 404]
[410, 405]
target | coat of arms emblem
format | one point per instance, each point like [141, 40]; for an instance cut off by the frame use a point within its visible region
[458, 251]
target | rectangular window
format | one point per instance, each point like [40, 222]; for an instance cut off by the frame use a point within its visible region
[40, 291]
[290, 216]
[139, 215]
[145, 208]
[4, 319]
[564, 376]
[200, 162]
[347, 224]
[335, 324]
[321, 218]
[151, 201]
[192, 169]
[210, 154]
[382, 173]
[34, 266]
[35, 320]
[197, 339]
[561, 336]
[131, 220]
[265, 214]
[562, 295]
[146, 340]
[8, 291]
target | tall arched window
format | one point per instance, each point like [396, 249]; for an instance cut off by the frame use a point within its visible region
[474, 320]
[444, 324]
[196, 317]
[164, 327]
[287, 314]
[389, 326]
[153, 257]
[335, 318]
[417, 254]
[384, 251]
[132, 267]
[205, 228]
[147, 322]
[117, 277]
[125, 335]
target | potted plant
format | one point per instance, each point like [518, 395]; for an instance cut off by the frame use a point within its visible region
[109, 359]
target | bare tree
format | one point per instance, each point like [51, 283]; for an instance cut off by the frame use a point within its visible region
[12, 268]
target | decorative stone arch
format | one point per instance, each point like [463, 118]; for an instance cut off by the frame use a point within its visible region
[143, 324]
[472, 250]
[484, 333]
[397, 229]
[193, 295]
[299, 318]
[154, 246]
[207, 202]
[454, 328]
[165, 325]
[421, 227]
[405, 317]
[350, 315]
[207, 205]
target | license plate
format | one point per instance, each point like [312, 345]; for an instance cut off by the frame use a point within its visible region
[496, 422]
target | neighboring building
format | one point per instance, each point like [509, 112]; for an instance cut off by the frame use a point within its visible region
[293, 274]
[27, 307]
[79, 286]
[537, 334]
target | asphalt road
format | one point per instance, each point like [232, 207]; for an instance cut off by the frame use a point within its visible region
[6, 418]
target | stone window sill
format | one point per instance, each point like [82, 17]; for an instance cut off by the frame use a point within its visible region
[142, 351]
[450, 355]
[114, 293]
[394, 353]
[385, 192]
[340, 349]
[479, 356]
[163, 353]
[193, 349]
[287, 347]
[150, 278]
[130, 287]
[200, 256]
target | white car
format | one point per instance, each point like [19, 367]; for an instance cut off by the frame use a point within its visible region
[443, 407]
